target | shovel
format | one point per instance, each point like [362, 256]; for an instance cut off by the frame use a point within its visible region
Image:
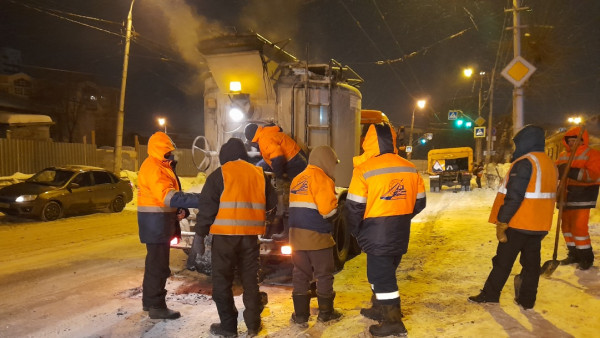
[549, 266]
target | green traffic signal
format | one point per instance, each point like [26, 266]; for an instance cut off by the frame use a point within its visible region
[459, 122]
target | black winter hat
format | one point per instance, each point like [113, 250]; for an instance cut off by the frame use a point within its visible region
[250, 131]
[232, 150]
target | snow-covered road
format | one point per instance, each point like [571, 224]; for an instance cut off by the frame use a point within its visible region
[81, 277]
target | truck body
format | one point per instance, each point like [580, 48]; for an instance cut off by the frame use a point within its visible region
[315, 104]
[450, 167]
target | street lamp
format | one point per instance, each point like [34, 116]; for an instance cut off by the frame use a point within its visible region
[162, 122]
[575, 120]
[421, 104]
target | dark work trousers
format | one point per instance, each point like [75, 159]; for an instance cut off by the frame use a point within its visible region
[309, 263]
[227, 253]
[156, 273]
[381, 273]
[529, 245]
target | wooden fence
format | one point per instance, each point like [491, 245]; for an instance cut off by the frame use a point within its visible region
[29, 157]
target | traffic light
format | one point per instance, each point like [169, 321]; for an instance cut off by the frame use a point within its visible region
[423, 141]
[463, 123]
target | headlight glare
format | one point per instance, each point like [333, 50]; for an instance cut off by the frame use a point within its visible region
[25, 198]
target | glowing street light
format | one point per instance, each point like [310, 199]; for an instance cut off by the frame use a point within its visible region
[421, 104]
[575, 120]
[468, 72]
[163, 122]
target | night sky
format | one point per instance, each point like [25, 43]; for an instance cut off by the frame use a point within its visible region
[404, 50]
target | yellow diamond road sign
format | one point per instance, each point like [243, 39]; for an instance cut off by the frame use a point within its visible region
[518, 71]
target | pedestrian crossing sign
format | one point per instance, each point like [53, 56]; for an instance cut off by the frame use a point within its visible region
[452, 115]
[479, 132]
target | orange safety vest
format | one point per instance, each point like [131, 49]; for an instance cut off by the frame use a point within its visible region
[243, 201]
[537, 207]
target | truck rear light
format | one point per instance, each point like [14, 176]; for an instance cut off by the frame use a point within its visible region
[175, 241]
[286, 250]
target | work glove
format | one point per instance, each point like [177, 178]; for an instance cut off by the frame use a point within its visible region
[500, 232]
[182, 213]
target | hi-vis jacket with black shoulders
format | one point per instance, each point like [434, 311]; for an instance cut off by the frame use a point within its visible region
[583, 179]
[385, 193]
[158, 193]
[527, 196]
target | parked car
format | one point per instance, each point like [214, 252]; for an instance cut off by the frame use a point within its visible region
[58, 191]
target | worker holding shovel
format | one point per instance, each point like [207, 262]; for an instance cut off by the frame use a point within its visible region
[522, 212]
[582, 182]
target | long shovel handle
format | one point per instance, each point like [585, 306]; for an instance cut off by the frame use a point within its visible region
[562, 191]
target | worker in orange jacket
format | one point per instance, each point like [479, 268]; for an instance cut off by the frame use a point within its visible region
[279, 151]
[522, 212]
[385, 193]
[233, 206]
[281, 155]
[159, 196]
[583, 181]
[313, 204]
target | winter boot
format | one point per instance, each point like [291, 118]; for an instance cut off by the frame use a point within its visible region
[374, 312]
[326, 310]
[218, 330]
[586, 258]
[391, 323]
[301, 308]
[571, 257]
[163, 313]
[483, 298]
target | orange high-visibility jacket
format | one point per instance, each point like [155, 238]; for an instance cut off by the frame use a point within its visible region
[582, 189]
[156, 183]
[243, 202]
[275, 143]
[312, 203]
[385, 193]
[537, 207]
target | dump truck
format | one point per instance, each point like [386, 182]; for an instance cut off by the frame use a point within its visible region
[252, 80]
[450, 167]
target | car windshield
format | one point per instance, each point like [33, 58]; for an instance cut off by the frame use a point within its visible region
[54, 177]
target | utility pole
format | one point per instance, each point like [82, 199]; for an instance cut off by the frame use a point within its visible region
[517, 115]
[121, 113]
[490, 136]
[478, 140]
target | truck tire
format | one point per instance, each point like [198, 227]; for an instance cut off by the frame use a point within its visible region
[341, 235]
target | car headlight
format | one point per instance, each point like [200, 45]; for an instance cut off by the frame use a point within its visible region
[25, 198]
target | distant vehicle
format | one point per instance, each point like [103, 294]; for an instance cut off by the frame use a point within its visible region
[450, 167]
[57, 191]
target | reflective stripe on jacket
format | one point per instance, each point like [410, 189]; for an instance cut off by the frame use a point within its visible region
[312, 202]
[243, 202]
[536, 209]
